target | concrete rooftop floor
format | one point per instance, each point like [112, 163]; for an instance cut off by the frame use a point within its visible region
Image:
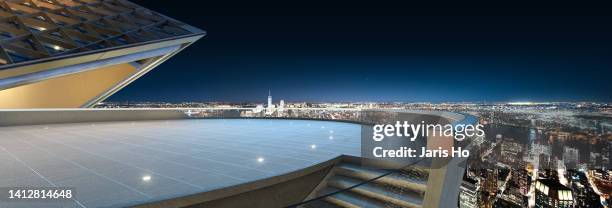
[116, 164]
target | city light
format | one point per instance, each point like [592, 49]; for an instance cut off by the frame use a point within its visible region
[523, 136]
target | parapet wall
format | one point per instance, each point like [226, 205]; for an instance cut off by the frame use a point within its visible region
[55, 116]
[16, 117]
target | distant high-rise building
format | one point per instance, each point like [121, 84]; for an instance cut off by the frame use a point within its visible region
[538, 155]
[558, 136]
[510, 151]
[269, 99]
[550, 193]
[468, 195]
[71, 54]
[490, 184]
[570, 156]
[532, 135]
[544, 162]
[258, 109]
[521, 177]
[270, 108]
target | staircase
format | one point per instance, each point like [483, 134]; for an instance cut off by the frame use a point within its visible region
[405, 188]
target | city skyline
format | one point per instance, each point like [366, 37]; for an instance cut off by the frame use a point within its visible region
[269, 96]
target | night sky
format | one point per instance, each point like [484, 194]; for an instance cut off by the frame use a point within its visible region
[387, 52]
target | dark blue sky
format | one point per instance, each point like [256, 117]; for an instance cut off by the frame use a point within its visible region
[386, 52]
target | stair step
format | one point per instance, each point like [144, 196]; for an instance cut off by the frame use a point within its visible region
[350, 200]
[399, 179]
[416, 172]
[320, 204]
[385, 194]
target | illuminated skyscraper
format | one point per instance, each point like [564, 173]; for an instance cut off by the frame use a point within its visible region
[270, 108]
[269, 99]
[468, 194]
[75, 53]
[571, 156]
[550, 193]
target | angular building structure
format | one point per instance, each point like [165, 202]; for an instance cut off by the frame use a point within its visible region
[76, 53]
